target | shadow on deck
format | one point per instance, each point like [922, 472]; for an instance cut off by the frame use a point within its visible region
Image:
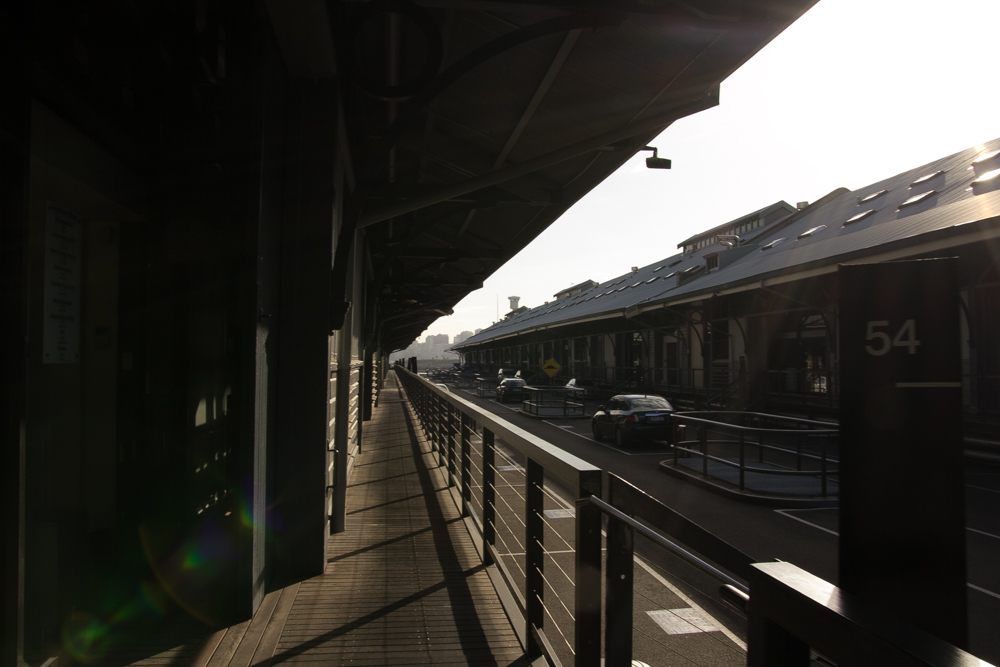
[404, 584]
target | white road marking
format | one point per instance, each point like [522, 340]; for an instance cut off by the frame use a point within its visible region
[983, 590]
[676, 591]
[982, 488]
[673, 589]
[832, 532]
[681, 621]
[983, 532]
[808, 523]
[580, 435]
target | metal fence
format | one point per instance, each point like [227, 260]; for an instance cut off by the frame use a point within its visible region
[544, 554]
[485, 387]
[760, 452]
[544, 551]
[552, 402]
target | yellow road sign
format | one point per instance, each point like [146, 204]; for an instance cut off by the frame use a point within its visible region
[551, 367]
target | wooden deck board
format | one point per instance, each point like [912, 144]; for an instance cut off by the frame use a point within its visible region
[404, 584]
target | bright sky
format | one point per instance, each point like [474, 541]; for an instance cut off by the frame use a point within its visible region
[853, 92]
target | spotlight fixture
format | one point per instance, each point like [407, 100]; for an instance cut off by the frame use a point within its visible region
[655, 162]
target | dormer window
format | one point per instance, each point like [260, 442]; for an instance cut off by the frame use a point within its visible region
[924, 179]
[916, 199]
[874, 195]
[858, 217]
[812, 231]
[712, 261]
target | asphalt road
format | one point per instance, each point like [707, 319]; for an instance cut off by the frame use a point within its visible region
[805, 537]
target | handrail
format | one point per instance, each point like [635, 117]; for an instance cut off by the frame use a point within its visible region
[792, 610]
[668, 545]
[689, 415]
[768, 471]
[555, 460]
[450, 422]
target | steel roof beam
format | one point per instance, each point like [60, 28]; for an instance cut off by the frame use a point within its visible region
[446, 254]
[447, 192]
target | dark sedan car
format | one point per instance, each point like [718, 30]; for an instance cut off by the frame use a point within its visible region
[511, 389]
[632, 417]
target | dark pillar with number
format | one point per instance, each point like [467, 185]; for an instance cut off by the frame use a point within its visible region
[902, 507]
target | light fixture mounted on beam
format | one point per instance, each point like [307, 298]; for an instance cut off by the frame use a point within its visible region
[655, 162]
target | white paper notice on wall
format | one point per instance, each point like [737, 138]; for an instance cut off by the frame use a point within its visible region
[63, 256]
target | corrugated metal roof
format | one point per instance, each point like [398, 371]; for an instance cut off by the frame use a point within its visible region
[952, 203]
[776, 208]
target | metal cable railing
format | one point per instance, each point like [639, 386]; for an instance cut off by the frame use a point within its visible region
[789, 442]
[515, 531]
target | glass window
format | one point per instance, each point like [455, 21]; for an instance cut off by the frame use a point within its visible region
[985, 158]
[649, 403]
[868, 198]
[988, 176]
[916, 199]
[859, 216]
[812, 231]
[924, 179]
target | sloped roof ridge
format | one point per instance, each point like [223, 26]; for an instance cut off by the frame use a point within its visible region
[708, 232]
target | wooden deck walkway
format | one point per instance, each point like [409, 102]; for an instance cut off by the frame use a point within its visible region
[404, 584]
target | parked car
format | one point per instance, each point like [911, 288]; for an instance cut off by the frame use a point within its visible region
[505, 373]
[631, 417]
[511, 389]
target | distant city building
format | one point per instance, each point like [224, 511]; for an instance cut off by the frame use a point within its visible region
[432, 347]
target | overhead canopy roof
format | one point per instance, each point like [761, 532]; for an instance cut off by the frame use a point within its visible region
[474, 125]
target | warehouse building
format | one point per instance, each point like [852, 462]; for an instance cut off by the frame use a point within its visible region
[745, 315]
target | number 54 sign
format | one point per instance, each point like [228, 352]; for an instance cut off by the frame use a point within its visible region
[901, 465]
[882, 344]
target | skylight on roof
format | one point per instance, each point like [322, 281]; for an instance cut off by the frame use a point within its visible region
[636, 284]
[652, 279]
[868, 198]
[988, 182]
[916, 199]
[771, 244]
[658, 268]
[986, 158]
[924, 179]
[988, 176]
[810, 232]
[675, 262]
[859, 216]
[670, 275]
